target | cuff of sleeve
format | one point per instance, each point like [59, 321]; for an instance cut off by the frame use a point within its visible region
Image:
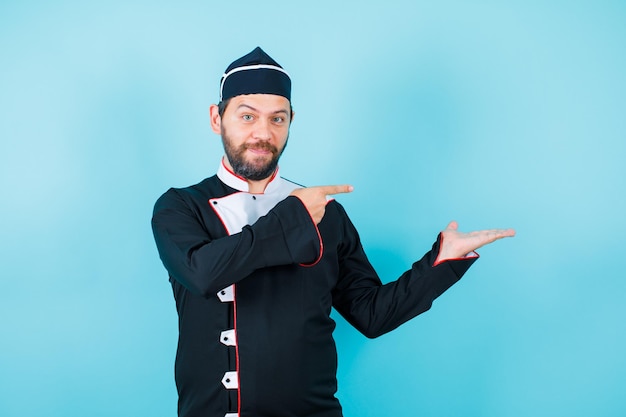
[301, 235]
[458, 265]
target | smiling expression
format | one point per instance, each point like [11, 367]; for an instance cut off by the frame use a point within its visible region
[254, 130]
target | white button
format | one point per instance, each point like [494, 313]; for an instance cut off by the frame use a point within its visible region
[228, 338]
[227, 294]
[231, 415]
[230, 380]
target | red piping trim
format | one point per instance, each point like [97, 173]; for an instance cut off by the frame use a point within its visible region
[273, 176]
[218, 214]
[438, 261]
[234, 318]
[319, 237]
[236, 349]
[232, 173]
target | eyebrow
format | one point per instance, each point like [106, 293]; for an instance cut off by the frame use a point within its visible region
[256, 110]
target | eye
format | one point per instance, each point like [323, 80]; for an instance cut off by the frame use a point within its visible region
[278, 119]
[247, 117]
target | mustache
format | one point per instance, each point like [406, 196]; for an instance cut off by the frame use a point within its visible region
[263, 146]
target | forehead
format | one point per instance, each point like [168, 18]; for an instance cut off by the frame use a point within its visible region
[264, 103]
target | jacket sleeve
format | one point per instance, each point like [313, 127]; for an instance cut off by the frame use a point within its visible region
[205, 264]
[375, 309]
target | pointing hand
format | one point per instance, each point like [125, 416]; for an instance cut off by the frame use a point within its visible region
[315, 198]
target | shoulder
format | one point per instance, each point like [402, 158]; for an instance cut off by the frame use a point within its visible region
[198, 193]
[335, 206]
[338, 215]
[290, 182]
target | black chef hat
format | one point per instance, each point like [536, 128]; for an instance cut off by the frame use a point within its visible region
[255, 73]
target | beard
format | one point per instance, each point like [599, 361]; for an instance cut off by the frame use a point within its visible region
[254, 169]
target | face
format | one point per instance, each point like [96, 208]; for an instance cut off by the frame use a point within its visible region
[254, 130]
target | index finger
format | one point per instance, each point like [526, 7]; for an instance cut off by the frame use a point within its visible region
[335, 189]
[499, 233]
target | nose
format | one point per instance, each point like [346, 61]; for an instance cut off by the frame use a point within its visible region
[262, 130]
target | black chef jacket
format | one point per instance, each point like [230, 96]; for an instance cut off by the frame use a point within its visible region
[254, 279]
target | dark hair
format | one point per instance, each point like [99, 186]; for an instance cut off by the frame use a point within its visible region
[221, 108]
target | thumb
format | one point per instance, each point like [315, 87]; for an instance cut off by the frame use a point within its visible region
[453, 225]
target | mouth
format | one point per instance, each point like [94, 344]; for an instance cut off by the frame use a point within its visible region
[258, 151]
[261, 148]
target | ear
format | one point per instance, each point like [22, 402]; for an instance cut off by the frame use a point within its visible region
[216, 120]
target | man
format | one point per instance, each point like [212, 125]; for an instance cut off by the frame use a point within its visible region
[256, 262]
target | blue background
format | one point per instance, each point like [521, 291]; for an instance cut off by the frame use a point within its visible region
[495, 114]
